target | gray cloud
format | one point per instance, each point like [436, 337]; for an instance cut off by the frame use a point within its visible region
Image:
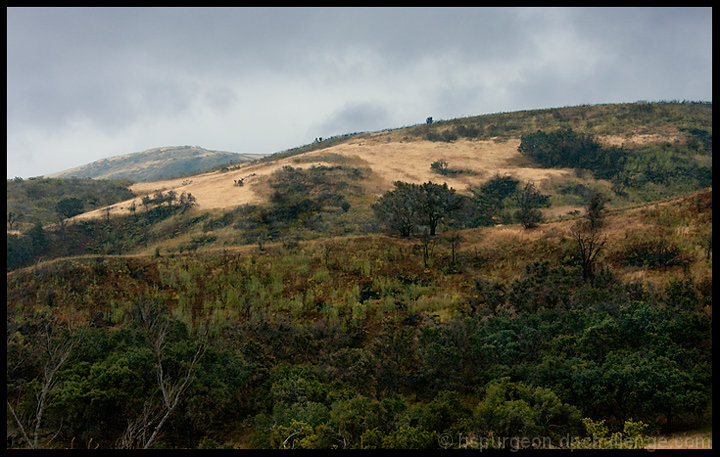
[87, 83]
[354, 117]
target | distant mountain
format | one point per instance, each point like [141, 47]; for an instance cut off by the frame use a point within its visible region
[154, 164]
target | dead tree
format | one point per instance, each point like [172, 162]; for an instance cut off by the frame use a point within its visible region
[454, 239]
[427, 242]
[143, 431]
[57, 347]
[587, 234]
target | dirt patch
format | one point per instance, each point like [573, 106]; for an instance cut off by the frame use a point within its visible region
[637, 140]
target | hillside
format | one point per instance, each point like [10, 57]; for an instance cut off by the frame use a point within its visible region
[35, 200]
[154, 164]
[638, 153]
[356, 337]
[473, 283]
[484, 146]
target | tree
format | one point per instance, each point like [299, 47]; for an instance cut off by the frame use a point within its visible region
[144, 429]
[528, 200]
[453, 238]
[490, 196]
[436, 203]
[171, 195]
[146, 200]
[587, 234]
[397, 209]
[428, 246]
[158, 198]
[440, 166]
[38, 240]
[67, 208]
[57, 344]
[410, 205]
[187, 201]
[516, 410]
[12, 218]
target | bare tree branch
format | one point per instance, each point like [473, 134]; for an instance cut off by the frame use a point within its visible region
[57, 351]
[143, 431]
[19, 423]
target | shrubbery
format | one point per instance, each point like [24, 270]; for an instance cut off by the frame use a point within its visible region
[535, 357]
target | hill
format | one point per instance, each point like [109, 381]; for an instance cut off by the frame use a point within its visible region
[511, 280]
[668, 147]
[154, 164]
[357, 337]
[632, 153]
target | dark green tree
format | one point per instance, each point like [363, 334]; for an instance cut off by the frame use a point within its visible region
[398, 209]
[38, 239]
[513, 409]
[489, 198]
[440, 166]
[437, 202]
[529, 199]
[67, 208]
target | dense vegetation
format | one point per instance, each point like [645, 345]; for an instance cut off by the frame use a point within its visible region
[35, 200]
[354, 343]
[116, 235]
[641, 170]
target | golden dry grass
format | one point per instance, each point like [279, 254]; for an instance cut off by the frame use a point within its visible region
[389, 161]
[390, 158]
[639, 139]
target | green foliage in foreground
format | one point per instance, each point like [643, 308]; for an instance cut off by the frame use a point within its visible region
[306, 349]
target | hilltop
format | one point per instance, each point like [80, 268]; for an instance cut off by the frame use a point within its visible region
[157, 163]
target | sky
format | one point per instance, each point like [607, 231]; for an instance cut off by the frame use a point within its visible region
[85, 84]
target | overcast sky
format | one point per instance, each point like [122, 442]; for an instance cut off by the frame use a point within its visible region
[88, 83]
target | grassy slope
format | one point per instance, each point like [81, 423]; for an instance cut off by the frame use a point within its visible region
[406, 153]
[498, 253]
[97, 290]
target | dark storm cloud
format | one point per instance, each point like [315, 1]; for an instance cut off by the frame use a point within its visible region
[87, 83]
